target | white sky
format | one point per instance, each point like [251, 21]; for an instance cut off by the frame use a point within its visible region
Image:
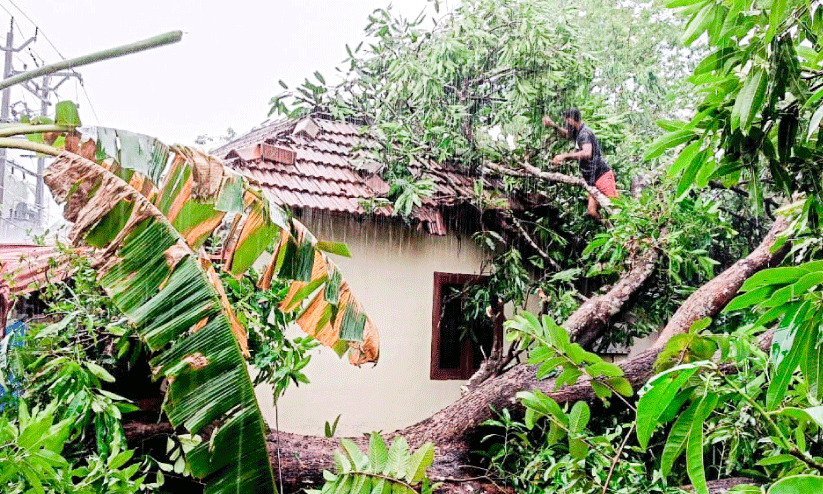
[223, 72]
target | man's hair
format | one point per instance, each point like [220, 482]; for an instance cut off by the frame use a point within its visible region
[572, 113]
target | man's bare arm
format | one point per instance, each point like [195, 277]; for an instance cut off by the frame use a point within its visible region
[548, 122]
[584, 153]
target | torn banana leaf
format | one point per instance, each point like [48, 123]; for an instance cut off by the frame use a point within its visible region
[160, 283]
[196, 192]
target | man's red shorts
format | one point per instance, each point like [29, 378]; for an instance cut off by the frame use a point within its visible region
[606, 185]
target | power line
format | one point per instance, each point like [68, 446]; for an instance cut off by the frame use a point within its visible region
[38, 28]
[48, 40]
[91, 105]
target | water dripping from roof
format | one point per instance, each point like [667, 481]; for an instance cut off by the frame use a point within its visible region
[379, 228]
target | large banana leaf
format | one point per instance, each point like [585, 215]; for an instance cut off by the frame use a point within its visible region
[148, 207]
[161, 284]
[196, 192]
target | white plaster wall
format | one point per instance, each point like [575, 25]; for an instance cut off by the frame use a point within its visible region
[391, 272]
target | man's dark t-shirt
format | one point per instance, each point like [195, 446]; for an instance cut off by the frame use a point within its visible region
[594, 167]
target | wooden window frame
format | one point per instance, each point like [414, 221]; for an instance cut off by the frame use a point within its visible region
[466, 353]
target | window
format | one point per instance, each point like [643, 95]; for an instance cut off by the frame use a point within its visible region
[458, 345]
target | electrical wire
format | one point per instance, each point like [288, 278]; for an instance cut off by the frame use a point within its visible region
[49, 41]
[91, 105]
[7, 11]
[38, 29]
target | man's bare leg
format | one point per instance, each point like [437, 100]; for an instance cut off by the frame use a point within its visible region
[594, 208]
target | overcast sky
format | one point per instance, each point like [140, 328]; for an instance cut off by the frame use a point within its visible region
[220, 75]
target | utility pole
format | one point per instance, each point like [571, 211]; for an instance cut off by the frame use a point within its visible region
[8, 71]
[39, 205]
[43, 93]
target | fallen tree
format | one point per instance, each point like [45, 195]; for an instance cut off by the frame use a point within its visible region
[303, 458]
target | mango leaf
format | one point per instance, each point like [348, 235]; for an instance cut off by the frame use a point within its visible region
[667, 141]
[785, 369]
[656, 397]
[783, 339]
[698, 23]
[753, 297]
[797, 484]
[682, 3]
[715, 60]
[775, 16]
[678, 436]
[749, 99]
[685, 158]
[812, 366]
[814, 123]
[694, 448]
[690, 175]
[774, 276]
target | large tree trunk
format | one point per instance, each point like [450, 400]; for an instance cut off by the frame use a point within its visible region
[714, 295]
[303, 458]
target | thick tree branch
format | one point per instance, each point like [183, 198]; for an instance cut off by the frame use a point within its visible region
[721, 486]
[533, 171]
[589, 321]
[452, 428]
[493, 364]
[504, 170]
[710, 299]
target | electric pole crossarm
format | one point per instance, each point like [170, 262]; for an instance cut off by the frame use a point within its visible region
[28, 41]
[10, 47]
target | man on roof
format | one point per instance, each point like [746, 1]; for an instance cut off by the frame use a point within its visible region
[589, 156]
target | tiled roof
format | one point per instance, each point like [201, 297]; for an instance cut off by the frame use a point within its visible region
[29, 267]
[323, 164]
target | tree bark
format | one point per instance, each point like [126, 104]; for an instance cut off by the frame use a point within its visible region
[532, 171]
[303, 458]
[593, 317]
[714, 295]
[721, 486]
[495, 362]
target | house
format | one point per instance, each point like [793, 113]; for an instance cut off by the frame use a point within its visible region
[401, 270]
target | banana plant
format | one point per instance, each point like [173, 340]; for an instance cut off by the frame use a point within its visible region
[148, 208]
